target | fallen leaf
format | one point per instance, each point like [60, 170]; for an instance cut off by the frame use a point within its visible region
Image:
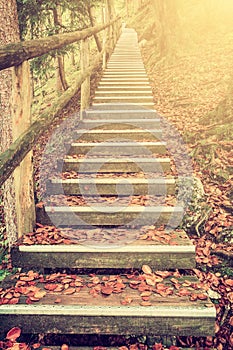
[147, 270]
[13, 334]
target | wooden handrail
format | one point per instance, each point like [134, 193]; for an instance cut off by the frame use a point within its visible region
[16, 53]
[13, 156]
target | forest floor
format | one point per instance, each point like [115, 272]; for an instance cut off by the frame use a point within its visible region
[194, 94]
[186, 92]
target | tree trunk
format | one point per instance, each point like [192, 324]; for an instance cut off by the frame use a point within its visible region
[15, 118]
[167, 20]
[61, 79]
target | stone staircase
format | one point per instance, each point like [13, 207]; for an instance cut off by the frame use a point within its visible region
[120, 214]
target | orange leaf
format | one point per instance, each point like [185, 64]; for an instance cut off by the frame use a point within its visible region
[229, 282]
[13, 334]
[147, 270]
[50, 286]
[106, 290]
[69, 291]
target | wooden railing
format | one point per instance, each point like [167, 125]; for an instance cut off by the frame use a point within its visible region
[15, 54]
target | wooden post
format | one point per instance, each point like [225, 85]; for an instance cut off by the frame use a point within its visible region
[86, 86]
[23, 174]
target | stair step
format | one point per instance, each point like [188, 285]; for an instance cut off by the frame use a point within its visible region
[117, 88]
[81, 313]
[116, 124]
[100, 215]
[128, 80]
[117, 148]
[141, 100]
[142, 94]
[125, 74]
[109, 186]
[124, 83]
[119, 165]
[127, 134]
[116, 69]
[123, 251]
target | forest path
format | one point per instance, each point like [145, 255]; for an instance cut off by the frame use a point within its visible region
[116, 203]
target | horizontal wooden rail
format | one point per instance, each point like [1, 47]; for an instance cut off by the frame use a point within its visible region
[16, 53]
[13, 156]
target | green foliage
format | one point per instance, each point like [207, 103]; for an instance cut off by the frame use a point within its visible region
[36, 20]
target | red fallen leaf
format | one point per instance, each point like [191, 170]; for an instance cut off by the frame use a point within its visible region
[59, 288]
[39, 225]
[95, 280]
[147, 270]
[13, 301]
[229, 282]
[163, 274]
[173, 347]
[57, 301]
[230, 297]
[209, 341]
[126, 301]
[28, 301]
[106, 290]
[40, 205]
[202, 296]
[8, 296]
[69, 291]
[40, 294]
[193, 297]
[64, 347]
[13, 334]
[27, 240]
[231, 321]
[51, 287]
[183, 292]
[36, 345]
[150, 281]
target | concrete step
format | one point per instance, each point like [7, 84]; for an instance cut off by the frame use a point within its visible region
[119, 124]
[111, 186]
[102, 215]
[123, 88]
[118, 69]
[128, 99]
[128, 134]
[108, 305]
[131, 251]
[126, 73]
[118, 165]
[128, 80]
[124, 83]
[123, 93]
[120, 148]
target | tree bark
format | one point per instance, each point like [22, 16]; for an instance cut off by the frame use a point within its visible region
[167, 22]
[15, 117]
